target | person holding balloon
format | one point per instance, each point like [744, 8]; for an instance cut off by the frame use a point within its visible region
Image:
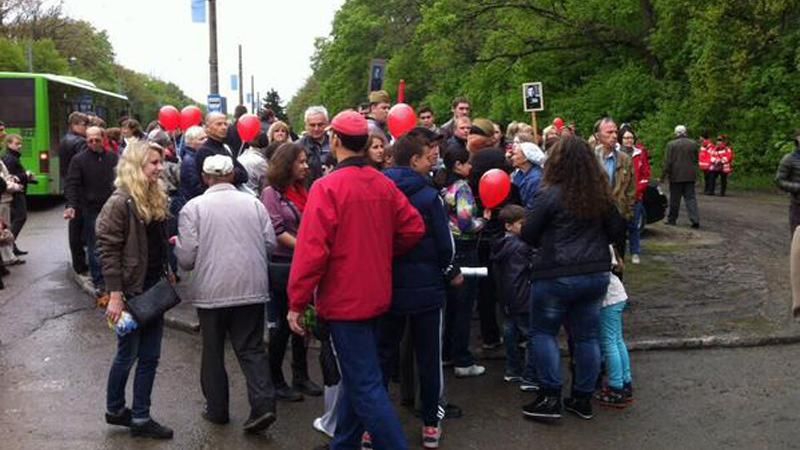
[216, 131]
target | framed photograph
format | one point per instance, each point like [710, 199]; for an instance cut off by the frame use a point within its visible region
[377, 73]
[532, 98]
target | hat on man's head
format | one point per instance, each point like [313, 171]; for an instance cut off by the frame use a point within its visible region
[218, 165]
[482, 127]
[680, 130]
[379, 97]
[349, 123]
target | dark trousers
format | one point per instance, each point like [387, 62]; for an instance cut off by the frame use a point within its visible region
[364, 402]
[144, 345]
[487, 296]
[711, 182]
[794, 216]
[458, 310]
[89, 236]
[426, 329]
[19, 213]
[245, 327]
[279, 339]
[77, 243]
[685, 191]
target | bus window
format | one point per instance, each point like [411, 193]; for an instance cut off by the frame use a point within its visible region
[17, 109]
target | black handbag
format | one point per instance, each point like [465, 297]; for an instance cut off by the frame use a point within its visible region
[153, 303]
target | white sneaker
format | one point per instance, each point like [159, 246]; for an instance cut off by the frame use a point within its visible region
[635, 259]
[318, 427]
[471, 371]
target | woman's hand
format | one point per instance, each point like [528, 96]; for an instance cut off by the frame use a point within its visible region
[115, 306]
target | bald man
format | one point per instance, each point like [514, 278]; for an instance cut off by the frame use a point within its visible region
[216, 126]
[89, 183]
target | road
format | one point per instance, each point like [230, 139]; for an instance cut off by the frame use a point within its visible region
[56, 350]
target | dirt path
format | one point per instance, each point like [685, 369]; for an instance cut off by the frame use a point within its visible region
[729, 277]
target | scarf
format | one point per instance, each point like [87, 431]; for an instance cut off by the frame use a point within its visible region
[298, 195]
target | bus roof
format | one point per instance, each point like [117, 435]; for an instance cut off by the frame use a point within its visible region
[63, 79]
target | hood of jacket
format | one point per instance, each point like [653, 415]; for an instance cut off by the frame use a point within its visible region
[407, 180]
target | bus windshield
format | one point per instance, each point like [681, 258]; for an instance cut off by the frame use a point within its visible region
[17, 109]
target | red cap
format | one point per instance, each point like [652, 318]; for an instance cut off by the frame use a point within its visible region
[350, 123]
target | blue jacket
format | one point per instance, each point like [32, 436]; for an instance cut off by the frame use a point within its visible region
[511, 260]
[419, 278]
[528, 184]
[191, 185]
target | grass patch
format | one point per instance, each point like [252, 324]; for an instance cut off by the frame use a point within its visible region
[652, 273]
[752, 182]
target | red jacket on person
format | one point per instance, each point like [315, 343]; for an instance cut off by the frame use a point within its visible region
[641, 167]
[355, 221]
[704, 158]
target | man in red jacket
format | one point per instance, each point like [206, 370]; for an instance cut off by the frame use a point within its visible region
[355, 222]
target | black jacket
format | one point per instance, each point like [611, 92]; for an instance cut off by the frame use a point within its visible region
[788, 176]
[319, 155]
[214, 147]
[511, 263]
[71, 145]
[419, 277]
[14, 166]
[90, 180]
[565, 245]
[680, 162]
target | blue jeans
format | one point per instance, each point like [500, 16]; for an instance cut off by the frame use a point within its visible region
[578, 298]
[517, 326]
[89, 236]
[144, 345]
[615, 352]
[633, 229]
[458, 310]
[364, 402]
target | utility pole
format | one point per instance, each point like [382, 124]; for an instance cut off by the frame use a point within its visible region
[252, 94]
[241, 80]
[213, 64]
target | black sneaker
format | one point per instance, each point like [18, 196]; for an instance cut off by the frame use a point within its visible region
[544, 407]
[122, 418]
[580, 406]
[151, 429]
[288, 394]
[307, 387]
[612, 398]
[18, 252]
[259, 423]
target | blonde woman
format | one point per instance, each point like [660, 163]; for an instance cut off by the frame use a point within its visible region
[132, 243]
[279, 132]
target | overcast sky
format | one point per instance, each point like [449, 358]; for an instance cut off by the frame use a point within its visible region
[158, 37]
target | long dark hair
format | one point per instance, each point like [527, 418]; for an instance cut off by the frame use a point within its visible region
[451, 156]
[572, 167]
[279, 173]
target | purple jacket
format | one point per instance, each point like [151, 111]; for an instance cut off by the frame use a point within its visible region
[284, 215]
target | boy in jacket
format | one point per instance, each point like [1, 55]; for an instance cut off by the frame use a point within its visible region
[511, 259]
[418, 283]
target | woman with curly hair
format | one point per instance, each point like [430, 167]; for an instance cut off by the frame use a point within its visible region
[132, 242]
[571, 227]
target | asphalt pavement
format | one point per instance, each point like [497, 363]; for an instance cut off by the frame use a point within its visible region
[56, 351]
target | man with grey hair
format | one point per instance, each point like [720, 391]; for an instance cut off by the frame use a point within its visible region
[315, 141]
[619, 168]
[680, 168]
[217, 131]
[219, 232]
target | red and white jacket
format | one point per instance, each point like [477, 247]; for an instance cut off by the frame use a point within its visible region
[704, 160]
[721, 158]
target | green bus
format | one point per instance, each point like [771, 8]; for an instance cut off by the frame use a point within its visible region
[36, 106]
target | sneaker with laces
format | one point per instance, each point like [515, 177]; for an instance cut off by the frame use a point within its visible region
[613, 398]
[122, 418]
[151, 429]
[431, 436]
[511, 378]
[366, 441]
[580, 406]
[544, 407]
[471, 371]
[636, 259]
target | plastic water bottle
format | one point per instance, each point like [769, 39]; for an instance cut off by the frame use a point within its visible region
[125, 324]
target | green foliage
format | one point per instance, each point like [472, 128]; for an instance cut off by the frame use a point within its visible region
[719, 66]
[12, 56]
[273, 101]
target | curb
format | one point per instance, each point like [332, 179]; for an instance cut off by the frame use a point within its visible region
[184, 318]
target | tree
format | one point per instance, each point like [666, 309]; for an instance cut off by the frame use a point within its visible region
[273, 101]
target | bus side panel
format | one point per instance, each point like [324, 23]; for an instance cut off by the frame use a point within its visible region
[38, 151]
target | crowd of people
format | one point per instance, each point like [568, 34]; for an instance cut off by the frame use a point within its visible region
[373, 244]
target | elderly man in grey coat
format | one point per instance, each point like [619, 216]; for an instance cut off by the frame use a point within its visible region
[225, 237]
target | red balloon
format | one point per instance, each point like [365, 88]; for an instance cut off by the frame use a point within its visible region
[190, 116]
[558, 122]
[494, 187]
[169, 117]
[402, 119]
[248, 127]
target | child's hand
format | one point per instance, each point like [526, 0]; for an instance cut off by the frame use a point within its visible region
[487, 214]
